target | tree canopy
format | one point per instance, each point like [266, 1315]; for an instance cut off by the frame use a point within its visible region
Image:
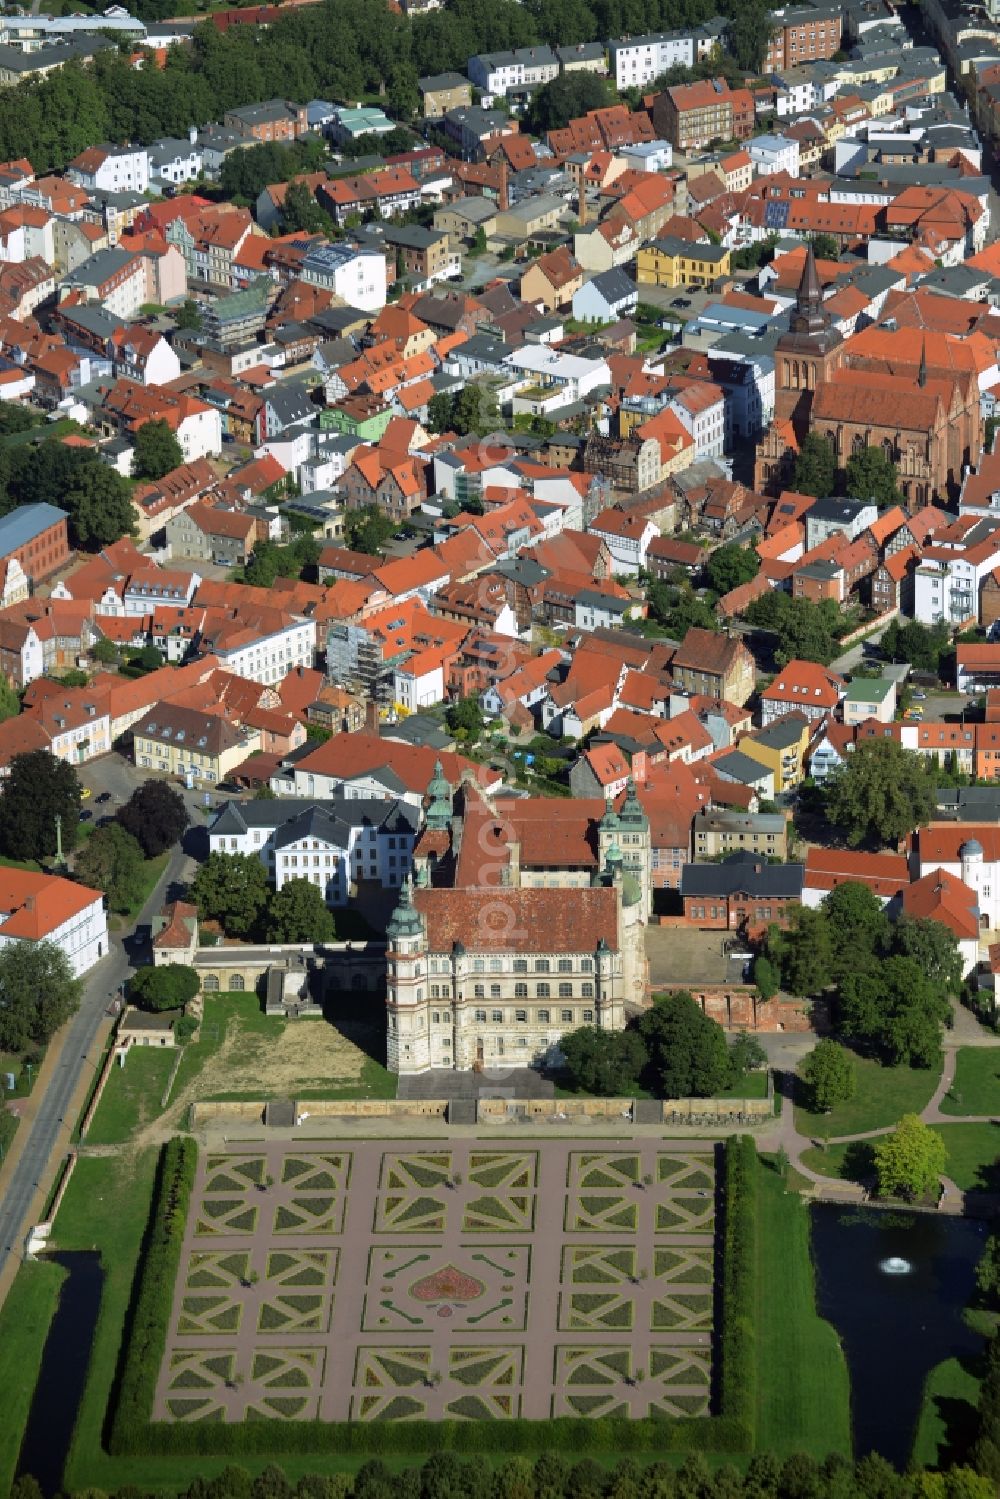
[111, 860]
[871, 475]
[608, 1063]
[465, 718]
[156, 450]
[38, 993]
[730, 565]
[168, 986]
[38, 789]
[805, 631]
[815, 466]
[156, 816]
[231, 889]
[95, 497]
[567, 97]
[922, 646]
[894, 1010]
[471, 409]
[830, 1075]
[911, 1160]
[747, 34]
[880, 794]
[298, 913]
[688, 1054]
[367, 529]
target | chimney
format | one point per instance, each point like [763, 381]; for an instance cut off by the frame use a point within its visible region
[371, 717]
[581, 207]
[503, 195]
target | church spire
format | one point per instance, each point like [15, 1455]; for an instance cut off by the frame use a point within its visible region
[922, 371]
[810, 295]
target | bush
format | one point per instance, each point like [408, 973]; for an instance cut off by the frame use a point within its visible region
[738, 1292]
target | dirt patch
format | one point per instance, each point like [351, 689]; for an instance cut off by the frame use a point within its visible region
[298, 1056]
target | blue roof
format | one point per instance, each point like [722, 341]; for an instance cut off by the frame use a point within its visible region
[24, 524]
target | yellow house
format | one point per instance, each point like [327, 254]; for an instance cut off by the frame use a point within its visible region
[670, 261]
[191, 745]
[553, 280]
[780, 748]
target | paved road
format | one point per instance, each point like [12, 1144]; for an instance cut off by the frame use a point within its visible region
[48, 1131]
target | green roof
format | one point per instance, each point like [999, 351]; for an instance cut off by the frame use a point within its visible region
[870, 689]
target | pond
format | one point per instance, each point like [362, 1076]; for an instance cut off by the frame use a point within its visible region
[63, 1372]
[894, 1285]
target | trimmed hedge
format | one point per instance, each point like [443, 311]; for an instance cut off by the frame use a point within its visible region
[731, 1431]
[737, 1341]
[147, 1335]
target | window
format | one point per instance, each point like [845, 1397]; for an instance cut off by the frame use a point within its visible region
[210, 982]
[479, 966]
[480, 1016]
[520, 991]
[495, 965]
[479, 991]
[541, 965]
[497, 1016]
[543, 1017]
[566, 1016]
[588, 1017]
[521, 1016]
[541, 991]
[238, 982]
[520, 965]
[565, 965]
[587, 990]
[494, 991]
[586, 965]
[436, 1017]
[565, 991]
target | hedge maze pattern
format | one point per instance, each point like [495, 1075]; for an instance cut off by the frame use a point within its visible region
[460, 1282]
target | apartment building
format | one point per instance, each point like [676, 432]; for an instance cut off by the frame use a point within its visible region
[803, 34]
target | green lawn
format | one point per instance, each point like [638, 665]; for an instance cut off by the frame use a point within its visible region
[24, 1324]
[973, 1153]
[132, 1095]
[948, 1414]
[976, 1088]
[220, 1011]
[883, 1095]
[836, 1161]
[151, 871]
[804, 1403]
[754, 1085]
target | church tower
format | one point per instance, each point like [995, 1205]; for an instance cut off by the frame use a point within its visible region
[805, 356]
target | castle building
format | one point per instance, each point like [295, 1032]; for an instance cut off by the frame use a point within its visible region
[527, 921]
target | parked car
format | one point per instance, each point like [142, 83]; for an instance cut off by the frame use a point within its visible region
[681, 302]
[918, 697]
[105, 796]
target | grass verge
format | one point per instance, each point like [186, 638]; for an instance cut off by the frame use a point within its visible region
[973, 1155]
[24, 1325]
[804, 1402]
[883, 1095]
[131, 1095]
[976, 1087]
[948, 1421]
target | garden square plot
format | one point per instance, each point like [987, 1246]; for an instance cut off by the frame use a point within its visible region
[399, 1281]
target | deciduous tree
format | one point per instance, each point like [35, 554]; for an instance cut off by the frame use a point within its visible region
[871, 475]
[37, 993]
[609, 1063]
[156, 450]
[38, 789]
[880, 794]
[111, 860]
[298, 913]
[730, 565]
[910, 1162]
[168, 986]
[156, 816]
[233, 890]
[830, 1075]
[894, 1010]
[858, 927]
[688, 1055]
[815, 466]
[803, 952]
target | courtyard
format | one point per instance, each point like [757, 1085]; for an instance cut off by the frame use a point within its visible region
[376, 1281]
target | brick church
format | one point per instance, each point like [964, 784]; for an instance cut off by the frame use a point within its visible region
[916, 401]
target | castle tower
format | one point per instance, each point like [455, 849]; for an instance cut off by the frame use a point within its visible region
[439, 799]
[407, 1028]
[805, 356]
[636, 846]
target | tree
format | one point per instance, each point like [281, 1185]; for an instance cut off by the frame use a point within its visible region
[858, 926]
[746, 1055]
[815, 466]
[830, 1075]
[38, 789]
[871, 475]
[298, 913]
[567, 97]
[988, 1271]
[156, 451]
[156, 817]
[105, 652]
[38, 993]
[367, 529]
[465, 718]
[688, 1055]
[910, 1162]
[765, 977]
[730, 565]
[895, 1011]
[747, 34]
[880, 794]
[111, 860]
[188, 316]
[918, 644]
[805, 631]
[825, 247]
[301, 214]
[10, 703]
[679, 610]
[168, 987]
[803, 953]
[933, 946]
[608, 1063]
[231, 889]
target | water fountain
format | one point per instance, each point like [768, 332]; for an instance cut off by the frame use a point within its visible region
[895, 1265]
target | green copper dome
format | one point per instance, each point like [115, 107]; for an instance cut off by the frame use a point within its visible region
[609, 822]
[405, 920]
[439, 794]
[631, 815]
